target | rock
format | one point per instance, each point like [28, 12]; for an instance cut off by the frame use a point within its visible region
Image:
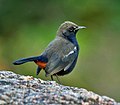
[18, 89]
[2, 102]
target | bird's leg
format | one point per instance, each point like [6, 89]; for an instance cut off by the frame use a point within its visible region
[58, 79]
[52, 77]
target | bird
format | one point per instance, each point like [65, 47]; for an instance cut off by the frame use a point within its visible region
[60, 56]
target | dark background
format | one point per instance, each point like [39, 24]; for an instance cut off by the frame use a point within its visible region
[27, 26]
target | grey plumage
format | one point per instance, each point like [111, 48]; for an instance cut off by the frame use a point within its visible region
[61, 54]
[56, 52]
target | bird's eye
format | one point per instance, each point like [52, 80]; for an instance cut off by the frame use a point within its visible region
[71, 29]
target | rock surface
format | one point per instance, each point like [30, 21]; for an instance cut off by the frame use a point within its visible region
[17, 89]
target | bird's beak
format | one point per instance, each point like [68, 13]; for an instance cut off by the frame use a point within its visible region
[80, 27]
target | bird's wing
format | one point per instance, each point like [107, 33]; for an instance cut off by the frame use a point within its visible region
[61, 54]
[65, 62]
[70, 57]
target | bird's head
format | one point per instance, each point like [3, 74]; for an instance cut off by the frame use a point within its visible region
[68, 29]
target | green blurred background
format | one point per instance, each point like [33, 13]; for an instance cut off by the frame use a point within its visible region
[27, 26]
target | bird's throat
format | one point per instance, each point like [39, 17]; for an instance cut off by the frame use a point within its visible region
[73, 40]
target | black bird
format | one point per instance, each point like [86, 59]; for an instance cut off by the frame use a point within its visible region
[60, 56]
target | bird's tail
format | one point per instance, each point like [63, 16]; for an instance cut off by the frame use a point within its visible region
[24, 60]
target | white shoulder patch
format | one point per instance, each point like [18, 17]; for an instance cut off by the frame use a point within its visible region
[75, 48]
[71, 52]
